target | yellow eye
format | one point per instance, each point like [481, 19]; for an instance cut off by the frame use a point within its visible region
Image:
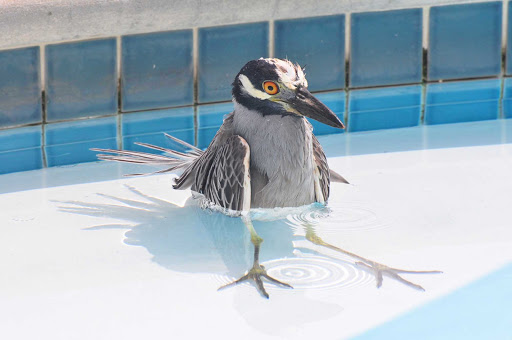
[270, 87]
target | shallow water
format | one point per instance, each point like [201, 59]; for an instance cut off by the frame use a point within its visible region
[87, 253]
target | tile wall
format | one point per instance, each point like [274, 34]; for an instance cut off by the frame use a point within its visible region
[375, 70]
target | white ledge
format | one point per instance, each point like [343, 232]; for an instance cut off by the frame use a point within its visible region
[35, 22]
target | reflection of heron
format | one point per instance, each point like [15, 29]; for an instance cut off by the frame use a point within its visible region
[263, 156]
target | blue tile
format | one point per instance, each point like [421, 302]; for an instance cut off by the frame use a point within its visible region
[209, 119]
[462, 101]
[81, 79]
[78, 131]
[66, 154]
[213, 115]
[69, 143]
[20, 149]
[461, 112]
[222, 53]
[158, 139]
[507, 98]
[386, 48]
[318, 43]
[157, 70]
[333, 100]
[21, 160]
[156, 121]
[336, 102]
[205, 136]
[385, 108]
[20, 89]
[20, 138]
[149, 127]
[465, 41]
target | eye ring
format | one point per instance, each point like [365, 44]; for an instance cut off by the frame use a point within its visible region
[270, 87]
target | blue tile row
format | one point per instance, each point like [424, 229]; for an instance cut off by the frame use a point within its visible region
[462, 101]
[368, 109]
[70, 142]
[149, 127]
[157, 68]
[507, 98]
[386, 108]
[20, 149]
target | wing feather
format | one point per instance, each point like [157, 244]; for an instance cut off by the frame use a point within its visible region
[222, 174]
[322, 169]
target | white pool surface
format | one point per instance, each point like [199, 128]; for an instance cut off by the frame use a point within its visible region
[86, 253]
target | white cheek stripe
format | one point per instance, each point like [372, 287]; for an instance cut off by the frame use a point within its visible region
[250, 89]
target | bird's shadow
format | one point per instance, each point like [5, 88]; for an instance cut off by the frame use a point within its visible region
[190, 239]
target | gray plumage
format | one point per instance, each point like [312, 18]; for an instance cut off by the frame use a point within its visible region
[265, 154]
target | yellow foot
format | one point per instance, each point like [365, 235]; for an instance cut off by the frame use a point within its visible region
[379, 270]
[256, 273]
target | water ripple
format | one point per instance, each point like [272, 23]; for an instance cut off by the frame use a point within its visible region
[346, 216]
[312, 272]
[317, 273]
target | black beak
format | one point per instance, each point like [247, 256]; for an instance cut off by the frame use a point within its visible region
[306, 104]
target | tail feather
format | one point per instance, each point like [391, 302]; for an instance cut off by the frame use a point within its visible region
[174, 160]
[195, 151]
[176, 154]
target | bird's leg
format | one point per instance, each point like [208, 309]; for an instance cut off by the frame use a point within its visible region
[257, 272]
[378, 269]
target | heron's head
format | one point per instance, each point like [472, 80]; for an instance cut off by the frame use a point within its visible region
[278, 87]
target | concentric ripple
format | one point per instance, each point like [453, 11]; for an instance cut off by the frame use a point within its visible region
[342, 217]
[307, 273]
[317, 273]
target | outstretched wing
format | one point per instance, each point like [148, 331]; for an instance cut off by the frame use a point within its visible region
[222, 174]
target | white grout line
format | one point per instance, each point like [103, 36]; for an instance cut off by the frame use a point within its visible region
[501, 114]
[504, 31]
[119, 122]
[424, 63]
[43, 144]
[119, 98]
[195, 72]
[346, 67]
[425, 41]
[271, 39]
[42, 84]
[426, 25]
[118, 57]
[42, 63]
[195, 63]
[348, 19]
[423, 108]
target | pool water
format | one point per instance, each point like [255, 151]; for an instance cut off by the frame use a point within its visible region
[87, 253]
